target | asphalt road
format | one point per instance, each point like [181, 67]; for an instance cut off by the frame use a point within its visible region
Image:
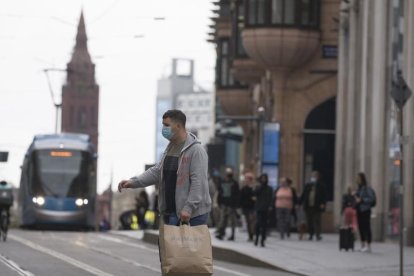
[44, 253]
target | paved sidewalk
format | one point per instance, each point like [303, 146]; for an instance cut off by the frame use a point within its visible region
[319, 258]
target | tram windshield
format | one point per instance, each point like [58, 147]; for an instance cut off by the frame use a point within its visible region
[60, 173]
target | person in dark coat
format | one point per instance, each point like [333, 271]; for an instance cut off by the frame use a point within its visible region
[247, 203]
[228, 200]
[314, 201]
[263, 203]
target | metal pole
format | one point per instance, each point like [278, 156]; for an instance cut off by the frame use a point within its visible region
[260, 146]
[401, 203]
[56, 119]
[400, 42]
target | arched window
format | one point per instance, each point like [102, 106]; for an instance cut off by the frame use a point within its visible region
[283, 13]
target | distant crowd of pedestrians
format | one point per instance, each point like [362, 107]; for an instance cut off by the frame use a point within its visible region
[260, 205]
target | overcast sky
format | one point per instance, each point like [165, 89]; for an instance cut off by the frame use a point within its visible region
[131, 51]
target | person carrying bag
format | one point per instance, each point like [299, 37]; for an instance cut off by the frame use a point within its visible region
[185, 250]
[182, 180]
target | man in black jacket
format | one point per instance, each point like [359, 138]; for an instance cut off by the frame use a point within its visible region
[314, 201]
[247, 203]
[263, 203]
[228, 200]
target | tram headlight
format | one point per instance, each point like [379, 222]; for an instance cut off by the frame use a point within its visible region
[79, 202]
[39, 200]
[85, 201]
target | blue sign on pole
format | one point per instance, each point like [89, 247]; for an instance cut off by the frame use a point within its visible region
[271, 138]
[270, 155]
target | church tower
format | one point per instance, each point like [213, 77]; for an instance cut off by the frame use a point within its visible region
[80, 94]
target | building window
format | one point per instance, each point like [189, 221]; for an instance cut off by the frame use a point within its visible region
[277, 11]
[283, 13]
[224, 77]
[93, 117]
[82, 118]
[238, 26]
[72, 116]
[289, 12]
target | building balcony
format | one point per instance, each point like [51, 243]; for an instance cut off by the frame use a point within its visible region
[246, 70]
[281, 34]
[235, 101]
[279, 47]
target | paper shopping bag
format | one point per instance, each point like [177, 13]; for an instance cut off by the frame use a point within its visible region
[185, 250]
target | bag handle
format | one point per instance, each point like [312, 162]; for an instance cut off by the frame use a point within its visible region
[180, 222]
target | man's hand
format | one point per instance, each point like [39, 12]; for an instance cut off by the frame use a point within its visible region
[322, 206]
[185, 216]
[124, 184]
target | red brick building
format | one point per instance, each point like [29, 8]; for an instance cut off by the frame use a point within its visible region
[80, 94]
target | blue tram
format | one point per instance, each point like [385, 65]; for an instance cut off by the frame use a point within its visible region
[58, 182]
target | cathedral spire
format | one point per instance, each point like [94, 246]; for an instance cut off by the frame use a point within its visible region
[80, 53]
[81, 38]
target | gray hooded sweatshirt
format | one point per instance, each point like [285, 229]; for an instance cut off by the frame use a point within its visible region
[191, 191]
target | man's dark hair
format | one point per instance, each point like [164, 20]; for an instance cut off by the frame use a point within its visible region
[176, 116]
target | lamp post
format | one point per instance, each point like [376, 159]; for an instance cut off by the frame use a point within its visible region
[401, 93]
[260, 122]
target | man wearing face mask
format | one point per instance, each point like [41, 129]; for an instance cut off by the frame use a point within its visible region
[181, 175]
[314, 200]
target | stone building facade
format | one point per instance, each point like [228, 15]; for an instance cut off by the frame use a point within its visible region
[367, 119]
[281, 55]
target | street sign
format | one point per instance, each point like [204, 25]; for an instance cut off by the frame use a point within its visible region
[400, 91]
[4, 156]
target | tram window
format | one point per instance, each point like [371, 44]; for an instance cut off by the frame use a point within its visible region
[61, 175]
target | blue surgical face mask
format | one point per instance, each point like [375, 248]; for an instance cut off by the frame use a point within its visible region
[313, 179]
[167, 132]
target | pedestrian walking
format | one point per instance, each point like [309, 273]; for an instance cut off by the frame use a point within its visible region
[365, 200]
[181, 175]
[263, 204]
[314, 201]
[284, 203]
[228, 200]
[247, 203]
